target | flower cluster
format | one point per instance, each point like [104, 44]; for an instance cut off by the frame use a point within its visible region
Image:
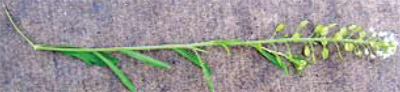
[385, 44]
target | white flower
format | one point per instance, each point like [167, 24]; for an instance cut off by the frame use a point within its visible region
[366, 51]
[379, 53]
[372, 31]
[372, 56]
[381, 34]
[386, 44]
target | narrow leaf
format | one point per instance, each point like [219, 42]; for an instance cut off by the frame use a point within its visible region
[206, 71]
[275, 59]
[118, 72]
[146, 59]
[281, 64]
[192, 57]
[89, 58]
[187, 55]
[197, 61]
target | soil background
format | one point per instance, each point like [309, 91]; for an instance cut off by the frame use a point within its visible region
[107, 23]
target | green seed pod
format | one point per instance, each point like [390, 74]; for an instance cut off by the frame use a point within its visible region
[324, 31]
[299, 64]
[318, 29]
[303, 24]
[296, 35]
[332, 25]
[280, 28]
[362, 35]
[338, 36]
[324, 43]
[352, 27]
[325, 53]
[306, 51]
[286, 35]
[358, 29]
[349, 46]
[359, 53]
[343, 31]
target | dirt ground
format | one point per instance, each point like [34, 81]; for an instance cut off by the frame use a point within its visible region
[151, 22]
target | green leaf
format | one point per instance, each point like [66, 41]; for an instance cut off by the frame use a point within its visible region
[118, 72]
[191, 57]
[281, 64]
[188, 55]
[325, 53]
[197, 61]
[146, 59]
[275, 59]
[206, 71]
[89, 58]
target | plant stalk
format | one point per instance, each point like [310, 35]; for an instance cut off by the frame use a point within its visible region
[201, 44]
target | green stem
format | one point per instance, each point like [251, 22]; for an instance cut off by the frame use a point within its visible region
[312, 51]
[339, 50]
[201, 44]
[16, 27]
[125, 80]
